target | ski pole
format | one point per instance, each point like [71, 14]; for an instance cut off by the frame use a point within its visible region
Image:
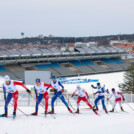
[129, 106]
[20, 110]
[40, 104]
[70, 104]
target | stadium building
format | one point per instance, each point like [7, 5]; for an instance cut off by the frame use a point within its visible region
[81, 61]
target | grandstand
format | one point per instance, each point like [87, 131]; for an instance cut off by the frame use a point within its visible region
[83, 60]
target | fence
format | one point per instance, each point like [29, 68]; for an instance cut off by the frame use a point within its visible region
[26, 100]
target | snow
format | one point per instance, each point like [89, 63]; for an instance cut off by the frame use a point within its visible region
[110, 80]
[66, 123]
[85, 123]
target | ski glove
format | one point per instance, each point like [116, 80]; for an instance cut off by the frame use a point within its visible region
[5, 97]
[123, 99]
[28, 91]
[62, 90]
[92, 86]
[55, 91]
[107, 99]
[36, 97]
[87, 97]
[72, 96]
[99, 92]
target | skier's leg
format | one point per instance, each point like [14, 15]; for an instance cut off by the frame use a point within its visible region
[85, 100]
[60, 95]
[15, 96]
[78, 101]
[9, 97]
[120, 103]
[115, 102]
[53, 100]
[46, 97]
[37, 104]
[103, 104]
[63, 100]
[96, 101]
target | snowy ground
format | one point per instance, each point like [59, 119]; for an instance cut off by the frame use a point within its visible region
[110, 80]
[65, 123]
[85, 123]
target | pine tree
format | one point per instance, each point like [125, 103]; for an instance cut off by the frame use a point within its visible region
[128, 85]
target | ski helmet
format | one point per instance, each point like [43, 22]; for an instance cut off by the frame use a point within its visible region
[53, 77]
[37, 80]
[98, 84]
[113, 89]
[7, 78]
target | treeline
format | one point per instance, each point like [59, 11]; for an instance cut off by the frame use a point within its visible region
[102, 40]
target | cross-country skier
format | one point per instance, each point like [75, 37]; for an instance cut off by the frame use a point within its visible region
[59, 88]
[101, 96]
[118, 98]
[10, 86]
[81, 97]
[41, 88]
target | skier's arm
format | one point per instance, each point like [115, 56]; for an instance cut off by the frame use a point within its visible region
[74, 93]
[4, 90]
[48, 85]
[110, 97]
[21, 84]
[121, 95]
[97, 92]
[93, 87]
[61, 86]
[86, 93]
[107, 91]
[35, 91]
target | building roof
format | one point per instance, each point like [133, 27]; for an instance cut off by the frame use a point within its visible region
[125, 45]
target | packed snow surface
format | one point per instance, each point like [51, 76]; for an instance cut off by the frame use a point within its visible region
[66, 123]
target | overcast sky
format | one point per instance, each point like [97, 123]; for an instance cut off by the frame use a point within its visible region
[66, 17]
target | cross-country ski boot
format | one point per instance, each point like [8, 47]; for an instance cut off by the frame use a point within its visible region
[112, 110]
[45, 113]
[51, 112]
[106, 111]
[3, 115]
[70, 110]
[122, 109]
[95, 109]
[77, 112]
[14, 114]
[35, 113]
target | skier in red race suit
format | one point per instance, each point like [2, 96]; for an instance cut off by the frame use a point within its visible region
[118, 98]
[81, 97]
[10, 86]
[42, 90]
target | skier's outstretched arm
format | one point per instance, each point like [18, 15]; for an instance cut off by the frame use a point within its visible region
[21, 84]
[73, 93]
[93, 87]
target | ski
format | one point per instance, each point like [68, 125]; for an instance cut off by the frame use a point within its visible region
[96, 112]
